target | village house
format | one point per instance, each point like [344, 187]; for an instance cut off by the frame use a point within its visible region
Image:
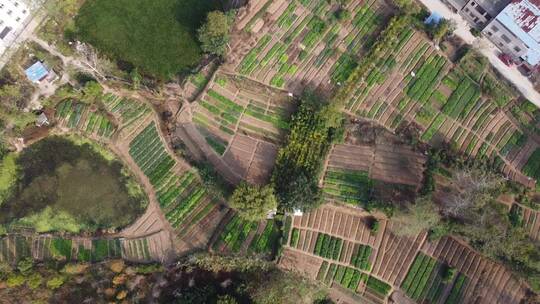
[516, 32]
[478, 13]
[13, 18]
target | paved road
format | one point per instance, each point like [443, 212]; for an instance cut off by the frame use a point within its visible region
[27, 32]
[484, 46]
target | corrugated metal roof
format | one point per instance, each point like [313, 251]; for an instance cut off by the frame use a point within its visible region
[522, 17]
[36, 72]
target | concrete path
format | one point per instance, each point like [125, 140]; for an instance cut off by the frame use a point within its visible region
[485, 47]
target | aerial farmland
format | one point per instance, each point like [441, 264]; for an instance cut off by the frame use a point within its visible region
[264, 151]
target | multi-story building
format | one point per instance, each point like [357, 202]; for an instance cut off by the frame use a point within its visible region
[516, 31]
[478, 12]
[14, 15]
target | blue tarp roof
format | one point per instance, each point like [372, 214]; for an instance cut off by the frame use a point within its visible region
[433, 18]
[36, 72]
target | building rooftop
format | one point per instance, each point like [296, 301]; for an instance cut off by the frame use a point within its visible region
[493, 7]
[522, 17]
[36, 72]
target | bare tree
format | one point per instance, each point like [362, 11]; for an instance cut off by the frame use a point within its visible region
[471, 188]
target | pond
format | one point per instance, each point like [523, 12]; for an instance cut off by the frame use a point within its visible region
[64, 185]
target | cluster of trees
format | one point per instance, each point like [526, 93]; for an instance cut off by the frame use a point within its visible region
[214, 34]
[469, 209]
[299, 163]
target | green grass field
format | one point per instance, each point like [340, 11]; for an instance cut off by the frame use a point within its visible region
[157, 36]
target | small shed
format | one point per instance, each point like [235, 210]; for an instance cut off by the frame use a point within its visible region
[37, 72]
[42, 120]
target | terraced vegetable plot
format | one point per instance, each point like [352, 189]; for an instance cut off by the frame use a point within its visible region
[149, 153]
[128, 111]
[251, 238]
[425, 282]
[359, 173]
[414, 83]
[182, 197]
[345, 276]
[304, 41]
[352, 187]
[476, 278]
[529, 219]
[240, 105]
[241, 122]
[445, 271]
[84, 118]
[44, 248]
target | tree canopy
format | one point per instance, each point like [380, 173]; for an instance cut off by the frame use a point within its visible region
[253, 202]
[214, 35]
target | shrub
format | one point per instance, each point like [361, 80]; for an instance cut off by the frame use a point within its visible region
[55, 282]
[15, 280]
[34, 281]
[253, 202]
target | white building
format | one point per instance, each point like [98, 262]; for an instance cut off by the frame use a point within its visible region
[516, 31]
[14, 14]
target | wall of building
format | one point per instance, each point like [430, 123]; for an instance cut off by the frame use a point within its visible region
[480, 12]
[13, 18]
[505, 40]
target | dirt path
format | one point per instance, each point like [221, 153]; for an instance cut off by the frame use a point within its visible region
[486, 48]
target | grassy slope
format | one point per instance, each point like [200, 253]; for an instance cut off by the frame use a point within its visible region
[158, 36]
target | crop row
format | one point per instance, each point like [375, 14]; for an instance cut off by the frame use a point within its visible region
[428, 75]
[129, 110]
[379, 287]
[267, 241]
[417, 278]
[234, 234]
[342, 275]
[463, 99]
[95, 123]
[352, 187]
[13, 248]
[455, 294]
[148, 151]
[360, 257]
[185, 207]
[295, 236]
[173, 188]
[532, 167]
[137, 249]
[328, 246]
[275, 119]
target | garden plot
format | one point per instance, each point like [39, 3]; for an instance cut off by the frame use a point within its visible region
[128, 112]
[332, 239]
[430, 281]
[181, 195]
[83, 118]
[417, 84]
[15, 247]
[242, 122]
[249, 238]
[529, 219]
[346, 246]
[287, 44]
[43, 248]
[480, 280]
[395, 255]
[359, 173]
